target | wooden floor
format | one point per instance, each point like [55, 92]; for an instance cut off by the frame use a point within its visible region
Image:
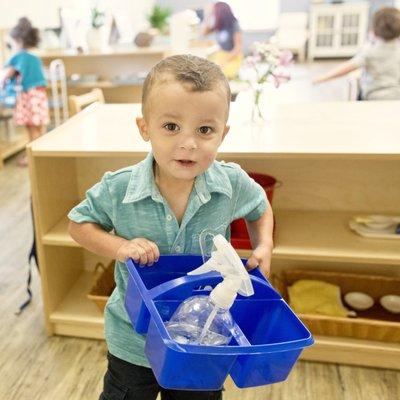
[34, 366]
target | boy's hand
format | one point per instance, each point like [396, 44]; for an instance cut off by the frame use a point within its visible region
[318, 80]
[261, 257]
[141, 250]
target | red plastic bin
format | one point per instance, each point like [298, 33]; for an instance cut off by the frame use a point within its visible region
[239, 235]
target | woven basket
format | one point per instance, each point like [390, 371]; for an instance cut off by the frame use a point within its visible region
[103, 285]
[373, 324]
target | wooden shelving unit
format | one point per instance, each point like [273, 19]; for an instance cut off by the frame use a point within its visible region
[107, 66]
[14, 144]
[321, 190]
[112, 64]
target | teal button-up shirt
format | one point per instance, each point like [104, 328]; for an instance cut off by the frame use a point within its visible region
[129, 203]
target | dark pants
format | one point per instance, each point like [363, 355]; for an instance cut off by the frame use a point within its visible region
[126, 381]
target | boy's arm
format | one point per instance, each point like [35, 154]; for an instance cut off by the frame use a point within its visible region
[260, 232]
[341, 70]
[92, 237]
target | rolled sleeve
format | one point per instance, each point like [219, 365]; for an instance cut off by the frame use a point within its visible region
[251, 200]
[96, 208]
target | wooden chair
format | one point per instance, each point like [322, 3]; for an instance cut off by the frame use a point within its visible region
[58, 102]
[292, 33]
[353, 85]
[77, 103]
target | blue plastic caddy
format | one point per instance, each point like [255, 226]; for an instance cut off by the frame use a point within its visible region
[267, 339]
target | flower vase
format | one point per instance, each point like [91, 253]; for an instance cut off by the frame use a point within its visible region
[257, 116]
[95, 39]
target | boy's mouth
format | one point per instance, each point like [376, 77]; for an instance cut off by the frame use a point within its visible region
[186, 163]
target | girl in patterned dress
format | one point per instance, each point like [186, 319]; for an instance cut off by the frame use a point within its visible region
[25, 70]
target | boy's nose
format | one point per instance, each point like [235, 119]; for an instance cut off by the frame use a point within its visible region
[188, 143]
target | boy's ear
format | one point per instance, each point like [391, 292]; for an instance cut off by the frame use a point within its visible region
[226, 130]
[141, 124]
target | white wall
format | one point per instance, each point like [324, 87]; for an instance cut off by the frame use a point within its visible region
[44, 13]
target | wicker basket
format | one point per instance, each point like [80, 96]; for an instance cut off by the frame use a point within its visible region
[103, 285]
[373, 324]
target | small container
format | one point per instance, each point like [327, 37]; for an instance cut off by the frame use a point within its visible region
[189, 323]
[391, 303]
[359, 300]
[267, 336]
[239, 236]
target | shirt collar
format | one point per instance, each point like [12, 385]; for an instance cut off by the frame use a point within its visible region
[141, 183]
[215, 179]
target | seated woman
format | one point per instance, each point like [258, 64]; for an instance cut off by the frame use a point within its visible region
[224, 24]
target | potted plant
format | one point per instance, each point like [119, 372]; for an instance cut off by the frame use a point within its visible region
[95, 32]
[158, 19]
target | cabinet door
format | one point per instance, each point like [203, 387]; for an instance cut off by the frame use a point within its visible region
[324, 31]
[352, 31]
[337, 30]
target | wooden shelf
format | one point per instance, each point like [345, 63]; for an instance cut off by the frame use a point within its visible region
[325, 236]
[59, 236]
[76, 315]
[353, 352]
[300, 235]
[102, 84]
[322, 175]
[297, 137]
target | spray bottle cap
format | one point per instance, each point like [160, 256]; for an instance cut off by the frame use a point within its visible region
[226, 261]
[224, 294]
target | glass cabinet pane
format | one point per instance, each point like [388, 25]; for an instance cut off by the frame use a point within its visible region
[324, 40]
[350, 21]
[349, 39]
[325, 22]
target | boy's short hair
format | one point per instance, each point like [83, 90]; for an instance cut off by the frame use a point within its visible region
[386, 23]
[200, 73]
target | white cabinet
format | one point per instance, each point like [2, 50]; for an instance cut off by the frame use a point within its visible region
[337, 30]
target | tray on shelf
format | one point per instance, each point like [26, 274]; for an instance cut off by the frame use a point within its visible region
[373, 324]
[376, 226]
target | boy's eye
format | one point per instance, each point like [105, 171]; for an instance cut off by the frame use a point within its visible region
[205, 130]
[171, 127]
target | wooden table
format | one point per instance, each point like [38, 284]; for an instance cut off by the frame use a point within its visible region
[334, 159]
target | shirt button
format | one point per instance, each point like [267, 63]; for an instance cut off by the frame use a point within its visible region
[169, 217]
[178, 249]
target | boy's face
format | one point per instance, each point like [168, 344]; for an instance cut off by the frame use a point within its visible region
[185, 128]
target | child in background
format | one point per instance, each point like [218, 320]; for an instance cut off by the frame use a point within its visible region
[228, 34]
[162, 204]
[379, 59]
[26, 70]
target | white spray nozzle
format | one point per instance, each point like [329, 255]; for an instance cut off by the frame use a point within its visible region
[226, 261]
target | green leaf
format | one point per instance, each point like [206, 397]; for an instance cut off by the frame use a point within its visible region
[159, 17]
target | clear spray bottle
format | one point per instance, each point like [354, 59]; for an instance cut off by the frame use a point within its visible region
[205, 319]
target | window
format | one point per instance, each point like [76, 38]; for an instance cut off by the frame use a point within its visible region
[256, 14]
